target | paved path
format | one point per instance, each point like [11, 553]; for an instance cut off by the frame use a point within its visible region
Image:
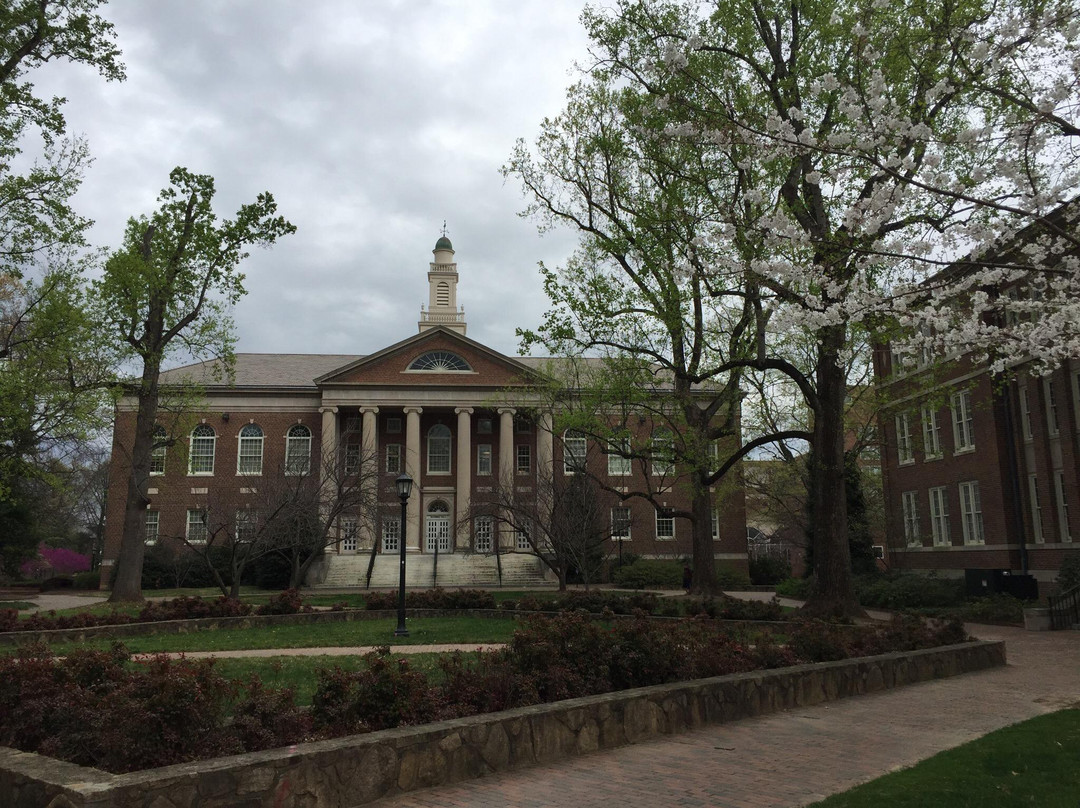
[796, 757]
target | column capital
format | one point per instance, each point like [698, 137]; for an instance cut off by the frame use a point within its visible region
[461, 410]
[507, 410]
[410, 410]
[332, 410]
[366, 409]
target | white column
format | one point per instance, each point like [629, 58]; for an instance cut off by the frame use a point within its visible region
[411, 533]
[464, 476]
[369, 476]
[506, 462]
[545, 465]
[327, 460]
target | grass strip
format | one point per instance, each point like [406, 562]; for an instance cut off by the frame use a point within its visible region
[422, 631]
[1034, 763]
[300, 672]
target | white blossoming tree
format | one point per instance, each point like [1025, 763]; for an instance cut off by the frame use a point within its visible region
[847, 153]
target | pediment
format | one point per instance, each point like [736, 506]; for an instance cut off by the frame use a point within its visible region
[447, 359]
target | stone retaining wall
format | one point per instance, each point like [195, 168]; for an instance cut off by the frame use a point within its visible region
[358, 769]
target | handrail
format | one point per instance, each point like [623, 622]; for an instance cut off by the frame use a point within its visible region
[1065, 609]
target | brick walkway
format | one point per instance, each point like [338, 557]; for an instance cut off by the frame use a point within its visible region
[794, 758]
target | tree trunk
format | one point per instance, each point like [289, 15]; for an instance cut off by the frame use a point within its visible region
[127, 584]
[833, 594]
[703, 581]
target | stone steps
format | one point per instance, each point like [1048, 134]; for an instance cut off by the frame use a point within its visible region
[454, 570]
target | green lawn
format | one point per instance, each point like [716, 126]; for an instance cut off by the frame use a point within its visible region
[299, 672]
[422, 631]
[19, 605]
[1034, 763]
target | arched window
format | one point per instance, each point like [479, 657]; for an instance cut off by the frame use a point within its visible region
[201, 451]
[298, 450]
[574, 448]
[438, 507]
[440, 362]
[438, 449]
[442, 294]
[249, 455]
[157, 453]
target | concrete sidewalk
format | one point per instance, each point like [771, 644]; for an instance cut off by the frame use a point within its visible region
[797, 757]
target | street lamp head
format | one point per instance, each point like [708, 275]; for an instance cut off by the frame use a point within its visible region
[404, 486]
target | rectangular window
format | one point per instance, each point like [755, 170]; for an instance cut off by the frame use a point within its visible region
[1062, 506]
[393, 458]
[483, 426]
[523, 462]
[971, 512]
[352, 458]
[196, 526]
[620, 523]
[963, 422]
[201, 454]
[931, 433]
[157, 459]
[1025, 413]
[352, 424]
[249, 456]
[246, 524]
[350, 532]
[523, 426]
[904, 450]
[393, 425]
[714, 519]
[391, 534]
[574, 451]
[665, 524]
[939, 516]
[1051, 408]
[899, 364]
[618, 464]
[483, 458]
[663, 453]
[910, 502]
[1036, 509]
[521, 537]
[153, 527]
[482, 531]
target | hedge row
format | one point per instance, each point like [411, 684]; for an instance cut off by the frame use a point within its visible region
[181, 710]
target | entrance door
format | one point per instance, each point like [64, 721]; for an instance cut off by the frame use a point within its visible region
[437, 533]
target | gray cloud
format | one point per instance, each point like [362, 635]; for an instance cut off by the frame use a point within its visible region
[370, 122]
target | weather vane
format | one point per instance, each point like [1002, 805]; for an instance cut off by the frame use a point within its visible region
[444, 227]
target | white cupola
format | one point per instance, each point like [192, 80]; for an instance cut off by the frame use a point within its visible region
[442, 308]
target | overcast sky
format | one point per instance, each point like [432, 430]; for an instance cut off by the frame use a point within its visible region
[371, 122]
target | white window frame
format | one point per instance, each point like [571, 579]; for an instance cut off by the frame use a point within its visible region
[1025, 413]
[152, 530]
[523, 459]
[909, 503]
[714, 522]
[436, 443]
[297, 450]
[521, 536]
[157, 454]
[963, 422]
[971, 512]
[197, 531]
[939, 516]
[665, 526]
[620, 523]
[393, 458]
[618, 462]
[352, 458]
[391, 534]
[1062, 503]
[249, 519]
[350, 534]
[483, 534]
[663, 441]
[246, 451]
[1053, 424]
[522, 426]
[1036, 509]
[905, 452]
[931, 434]
[483, 459]
[575, 452]
[201, 462]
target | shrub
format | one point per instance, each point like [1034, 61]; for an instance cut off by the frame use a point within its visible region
[288, 602]
[795, 588]
[1068, 576]
[645, 573]
[437, 598]
[730, 578]
[999, 608]
[727, 608]
[87, 580]
[190, 608]
[56, 582]
[908, 591]
[769, 570]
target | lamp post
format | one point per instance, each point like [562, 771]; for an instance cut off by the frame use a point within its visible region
[404, 488]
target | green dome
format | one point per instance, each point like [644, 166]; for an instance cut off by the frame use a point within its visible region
[443, 244]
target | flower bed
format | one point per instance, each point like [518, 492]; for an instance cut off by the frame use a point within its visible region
[180, 710]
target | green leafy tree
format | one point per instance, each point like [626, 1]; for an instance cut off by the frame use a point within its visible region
[167, 291]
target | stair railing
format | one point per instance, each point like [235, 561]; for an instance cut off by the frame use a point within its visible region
[1065, 609]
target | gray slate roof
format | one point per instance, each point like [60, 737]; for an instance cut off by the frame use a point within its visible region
[263, 370]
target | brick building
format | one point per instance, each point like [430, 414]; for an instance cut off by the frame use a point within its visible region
[981, 471]
[459, 417]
